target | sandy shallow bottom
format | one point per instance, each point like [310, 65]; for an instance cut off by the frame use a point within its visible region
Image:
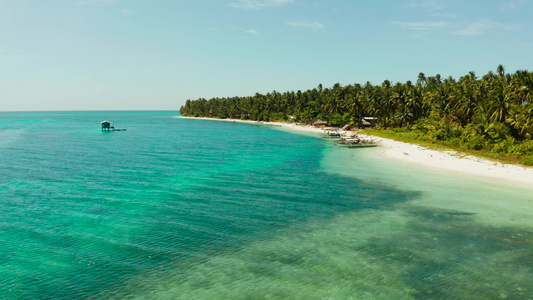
[411, 167]
[397, 254]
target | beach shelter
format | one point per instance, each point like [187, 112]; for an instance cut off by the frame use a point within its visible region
[368, 122]
[319, 123]
[347, 127]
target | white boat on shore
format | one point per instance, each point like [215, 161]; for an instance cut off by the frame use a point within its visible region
[354, 141]
[331, 133]
[358, 145]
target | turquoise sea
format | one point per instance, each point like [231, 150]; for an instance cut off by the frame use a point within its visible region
[191, 209]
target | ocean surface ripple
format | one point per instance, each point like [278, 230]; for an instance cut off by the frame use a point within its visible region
[191, 209]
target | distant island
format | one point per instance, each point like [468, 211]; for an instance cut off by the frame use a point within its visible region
[491, 116]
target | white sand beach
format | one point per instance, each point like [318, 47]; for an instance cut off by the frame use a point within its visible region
[447, 160]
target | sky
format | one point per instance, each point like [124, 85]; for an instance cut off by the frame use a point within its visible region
[156, 54]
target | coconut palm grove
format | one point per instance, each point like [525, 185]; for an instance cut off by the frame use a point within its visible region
[490, 115]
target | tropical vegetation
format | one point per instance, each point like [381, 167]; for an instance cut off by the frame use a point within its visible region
[493, 113]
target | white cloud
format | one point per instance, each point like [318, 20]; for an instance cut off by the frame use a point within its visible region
[315, 26]
[251, 30]
[428, 4]
[421, 26]
[259, 4]
[483, 27]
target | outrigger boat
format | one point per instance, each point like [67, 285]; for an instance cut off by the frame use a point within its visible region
[358, 145]
[331, 133]
[349, 141]
[355, 142]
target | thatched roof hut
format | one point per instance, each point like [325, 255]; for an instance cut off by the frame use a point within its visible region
[347, 127]
[320, 123]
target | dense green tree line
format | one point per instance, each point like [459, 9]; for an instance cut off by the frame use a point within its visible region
[493, 112]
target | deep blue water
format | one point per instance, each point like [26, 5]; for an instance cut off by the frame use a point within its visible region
[176, 208]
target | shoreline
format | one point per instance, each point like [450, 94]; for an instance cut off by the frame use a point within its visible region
[415, 154]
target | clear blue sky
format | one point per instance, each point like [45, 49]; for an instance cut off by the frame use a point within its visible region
[118, 54]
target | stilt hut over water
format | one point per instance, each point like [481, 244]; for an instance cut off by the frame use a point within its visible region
[107, 126]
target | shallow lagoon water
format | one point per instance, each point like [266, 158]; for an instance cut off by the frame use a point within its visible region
[176, 208]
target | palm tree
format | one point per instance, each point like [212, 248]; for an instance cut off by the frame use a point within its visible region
[500, 70]
[499, 104]
[421, 82]
[522, 119]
